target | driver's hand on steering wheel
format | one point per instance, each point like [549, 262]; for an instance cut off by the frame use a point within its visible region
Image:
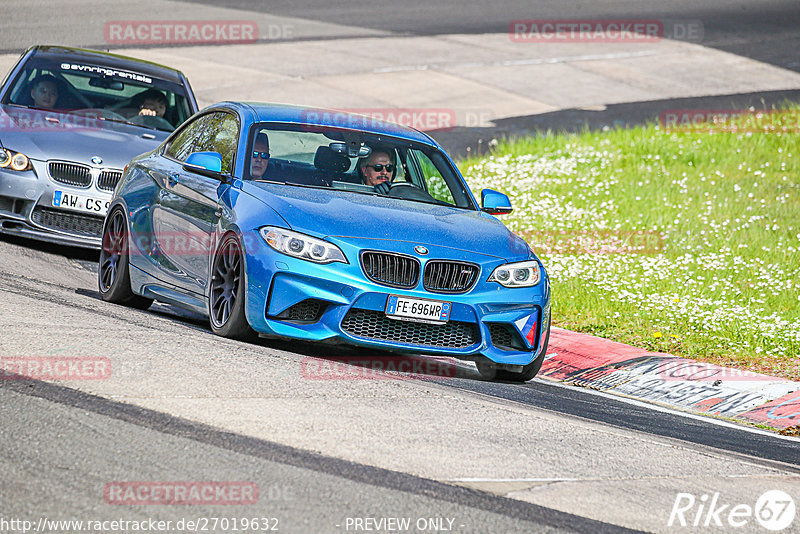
[383, 188]
[148, 112]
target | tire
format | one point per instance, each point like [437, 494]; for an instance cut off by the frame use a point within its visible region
[489, 370]
[113, 274]
[227, 295]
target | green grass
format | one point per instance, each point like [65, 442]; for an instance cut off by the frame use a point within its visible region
[682, 242]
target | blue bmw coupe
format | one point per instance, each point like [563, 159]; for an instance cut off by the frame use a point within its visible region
[311, 224]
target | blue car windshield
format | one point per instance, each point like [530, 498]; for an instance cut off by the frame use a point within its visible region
[100, 92]
[353, 161]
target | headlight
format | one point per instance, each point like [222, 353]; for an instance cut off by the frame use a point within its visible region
[14, 160]
[302, 246]
[522, 274]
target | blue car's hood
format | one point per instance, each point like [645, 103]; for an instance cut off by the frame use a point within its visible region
[73, 138]
[330, 213]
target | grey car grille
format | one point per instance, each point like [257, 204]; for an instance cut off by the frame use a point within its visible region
[73, 223]
[371, 324]
[393, 270]
[70, 173]
[449, 276]
[107, 180]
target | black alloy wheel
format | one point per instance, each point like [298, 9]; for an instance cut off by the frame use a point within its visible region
[113, 275]
[226, 298]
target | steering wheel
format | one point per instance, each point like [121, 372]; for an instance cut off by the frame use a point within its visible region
[100, 113]
[409, 191]
[152, 121]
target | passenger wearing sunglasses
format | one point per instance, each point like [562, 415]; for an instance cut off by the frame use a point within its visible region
[260, 156]
[378, 171]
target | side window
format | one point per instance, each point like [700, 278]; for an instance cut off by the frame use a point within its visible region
[431, 176]
[220, 135]
[182, 145]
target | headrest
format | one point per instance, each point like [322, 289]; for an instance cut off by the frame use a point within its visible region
[327, 160]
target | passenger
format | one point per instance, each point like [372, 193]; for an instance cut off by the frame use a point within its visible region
[154, 103]
[44, 92]
[258, 165]
[378, 171]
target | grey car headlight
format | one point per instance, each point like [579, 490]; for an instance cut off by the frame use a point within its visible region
[520, 274]
[302, 246]
[14, 160]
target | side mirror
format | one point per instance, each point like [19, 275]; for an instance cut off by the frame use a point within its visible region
[495, 203]
[205, 163]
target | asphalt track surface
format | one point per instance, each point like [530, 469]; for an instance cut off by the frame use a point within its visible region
[102, 437]
[299, 484]
[762, 30]
[578, 402]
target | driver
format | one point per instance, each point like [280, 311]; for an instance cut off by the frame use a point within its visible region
[154, 103]
[258, 164]
[44, 92]
[378, 170]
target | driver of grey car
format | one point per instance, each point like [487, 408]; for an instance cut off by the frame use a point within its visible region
[44, 92]
[154, 103]
[378, 170]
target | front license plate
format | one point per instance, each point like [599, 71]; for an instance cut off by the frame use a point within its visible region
[422, 310]
[71, 201]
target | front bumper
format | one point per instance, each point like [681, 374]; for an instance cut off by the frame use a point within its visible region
[26, 209]
[293, 298]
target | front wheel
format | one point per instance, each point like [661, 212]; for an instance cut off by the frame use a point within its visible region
[113, 274]
[226, 299]
[489, 370]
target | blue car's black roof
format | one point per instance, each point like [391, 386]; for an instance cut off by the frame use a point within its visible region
[95, 57]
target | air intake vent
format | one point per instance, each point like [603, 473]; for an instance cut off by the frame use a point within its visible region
[73, 223]
[371, 324]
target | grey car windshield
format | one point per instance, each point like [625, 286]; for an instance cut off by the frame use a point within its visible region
[99, 91]
[354, 161]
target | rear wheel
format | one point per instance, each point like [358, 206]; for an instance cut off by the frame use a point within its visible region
[113, 275]
[226, 300]
[488, 369]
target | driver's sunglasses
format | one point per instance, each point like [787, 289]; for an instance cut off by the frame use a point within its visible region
[379, 167]
[262, 155]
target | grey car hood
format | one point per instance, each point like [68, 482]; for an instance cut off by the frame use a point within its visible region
[46, 135]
